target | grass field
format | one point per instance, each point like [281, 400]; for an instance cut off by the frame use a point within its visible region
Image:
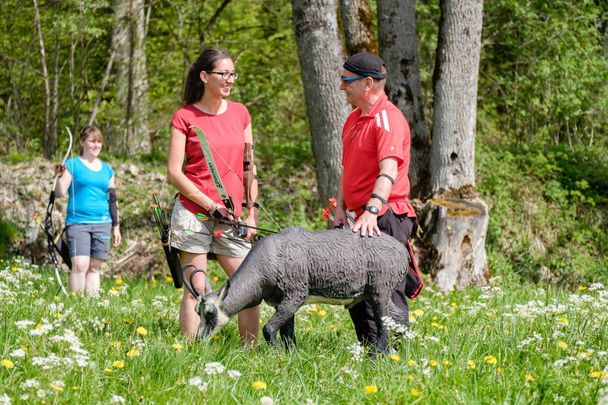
[516, 344]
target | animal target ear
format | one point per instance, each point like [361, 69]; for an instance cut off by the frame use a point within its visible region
[224, 290]
[199, 300]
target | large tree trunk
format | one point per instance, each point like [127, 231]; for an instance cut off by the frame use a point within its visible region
[357, 25]
[132, 78]
[321, 62]
[456, 219]
[399, 50]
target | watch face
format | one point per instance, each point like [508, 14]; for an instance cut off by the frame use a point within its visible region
[373, 209]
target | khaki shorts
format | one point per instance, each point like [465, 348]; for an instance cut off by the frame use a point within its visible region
[192, 235]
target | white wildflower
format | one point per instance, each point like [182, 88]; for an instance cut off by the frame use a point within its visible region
[356, 350]
[214, 368]
[24, 324]
[30, 383]
[234, 374]
[5, 399]
[266, 401]
[17, 353]
[117, 399]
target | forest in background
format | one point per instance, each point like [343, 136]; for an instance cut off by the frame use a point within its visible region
[542, 109]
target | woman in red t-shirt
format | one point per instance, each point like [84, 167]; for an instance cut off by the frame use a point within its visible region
[227, 127]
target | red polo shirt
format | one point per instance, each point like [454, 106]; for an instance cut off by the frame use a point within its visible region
[226, 136]
[366, 140]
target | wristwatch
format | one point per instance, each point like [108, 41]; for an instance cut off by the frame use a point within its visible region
[373, 209]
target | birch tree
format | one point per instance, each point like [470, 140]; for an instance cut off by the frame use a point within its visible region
[132, 78]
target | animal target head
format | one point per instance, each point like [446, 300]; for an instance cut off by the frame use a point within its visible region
[212, 313]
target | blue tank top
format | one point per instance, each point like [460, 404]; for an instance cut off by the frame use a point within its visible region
[88, 194]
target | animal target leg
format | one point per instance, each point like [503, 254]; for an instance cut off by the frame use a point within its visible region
[288, 334]
[381, 310]
[285, 310]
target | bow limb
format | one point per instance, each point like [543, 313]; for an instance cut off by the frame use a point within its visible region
[52, 235]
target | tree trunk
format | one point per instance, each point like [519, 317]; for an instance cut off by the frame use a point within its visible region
[132, 78]
[455, 221]
[49, 141]
[321, 62]
[399, 50]
[358, 28]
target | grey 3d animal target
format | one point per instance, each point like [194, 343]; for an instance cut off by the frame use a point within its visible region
[296, 267]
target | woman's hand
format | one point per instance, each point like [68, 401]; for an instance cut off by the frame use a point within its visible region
[117, 235]
[250, 222]
[217, 210]
[59, 170]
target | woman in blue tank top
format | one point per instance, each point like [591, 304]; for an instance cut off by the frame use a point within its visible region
[92, 213]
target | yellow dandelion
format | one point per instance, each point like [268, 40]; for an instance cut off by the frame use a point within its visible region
[394, 357]
[411, 362]
[56, 298]
[446, 362]
[56, 387]
[563, 320]
[498, 370]
[259, 385]
[169, 280]
[7, 363]
[118, 364]
[586, 354]
[433, 363]
[117, 343]
[216, 337]
[562, 345]
[142, 331]
[322, 312]
[471, 364]
[599, 375]
[530, 377]
[415, 393]
[490, 359]
[177, 346]
[583, 288]
[107, 370]
[409, 377]
[215, 279]
[435, 325]
[412, 318]
[454, 305]
[14, 269]
[419, 312]
[127, 321]
[119, 280]
[314, 309]
[133, 353]
[370, 389]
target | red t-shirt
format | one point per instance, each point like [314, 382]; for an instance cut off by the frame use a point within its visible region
[226, 138]
[366, 140]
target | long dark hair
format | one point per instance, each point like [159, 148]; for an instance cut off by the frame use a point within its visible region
[195, 88]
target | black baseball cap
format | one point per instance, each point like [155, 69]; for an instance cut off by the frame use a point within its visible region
[366, 64]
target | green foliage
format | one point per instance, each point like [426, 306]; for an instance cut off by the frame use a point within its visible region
[490, 345]
[548, 211]
[9, 232]
[543, 70]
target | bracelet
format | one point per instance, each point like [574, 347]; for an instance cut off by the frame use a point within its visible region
[377, 197]
[387, 176]
[255, 205]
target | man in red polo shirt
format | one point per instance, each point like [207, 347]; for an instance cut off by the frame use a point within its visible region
[375, 163]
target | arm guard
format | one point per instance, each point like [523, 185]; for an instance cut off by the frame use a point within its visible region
[248, 175]
[113, 206]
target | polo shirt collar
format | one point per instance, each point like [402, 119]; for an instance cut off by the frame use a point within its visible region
[377, 106]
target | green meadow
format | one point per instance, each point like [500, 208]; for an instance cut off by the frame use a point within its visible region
[503, 343]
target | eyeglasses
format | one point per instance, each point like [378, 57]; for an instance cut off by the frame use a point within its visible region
[348, 80]
[227, 75]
